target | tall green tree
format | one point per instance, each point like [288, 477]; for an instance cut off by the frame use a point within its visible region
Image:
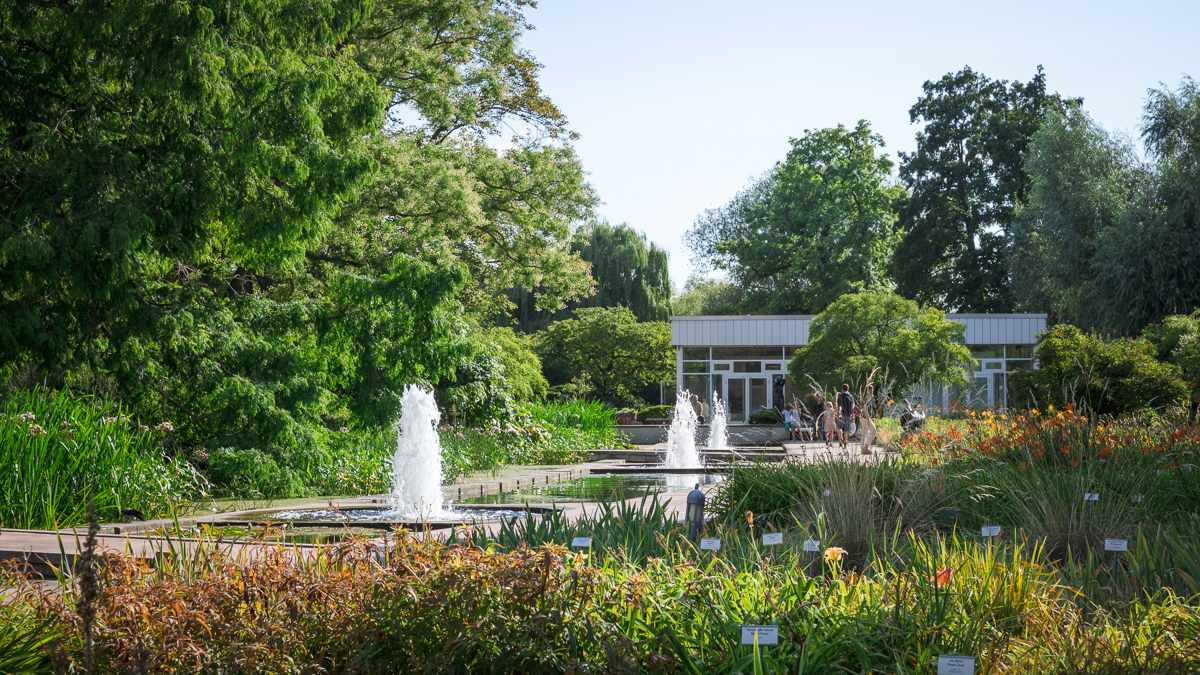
[901, 342]
[1106, 241]
[627, 270]
[965, 179]
[701, 296]
[610, 350]
[820, 225]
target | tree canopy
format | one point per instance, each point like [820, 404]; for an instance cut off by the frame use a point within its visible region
[1107, 242]
[821, 224]
[864, 332]
[260, 220]
[610, 350]
[627, 270]
[966, 178]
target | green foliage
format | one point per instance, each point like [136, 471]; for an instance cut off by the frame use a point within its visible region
[865, 332]
[707, 297]
[208, 223]
[626, 270]
[59, 448]
[1177, 341]
[617, 354]
[1106, 242]
[767, 416]
[966, 177]
[819, 225]
[522, 368]
[660, 412]
[1108, 376]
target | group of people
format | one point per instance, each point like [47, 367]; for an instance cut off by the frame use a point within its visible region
[834, 420]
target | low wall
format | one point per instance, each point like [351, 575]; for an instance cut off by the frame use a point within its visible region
[739, 434]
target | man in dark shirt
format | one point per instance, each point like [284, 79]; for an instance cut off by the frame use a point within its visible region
[845, 406]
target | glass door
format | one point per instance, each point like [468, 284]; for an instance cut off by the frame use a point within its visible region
[736, 395]
[758, 394]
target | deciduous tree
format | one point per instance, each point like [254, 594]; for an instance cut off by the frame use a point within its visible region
[821, 224]
[965, 180]
[864, 332]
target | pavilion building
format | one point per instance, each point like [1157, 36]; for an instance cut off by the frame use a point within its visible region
[744, 359]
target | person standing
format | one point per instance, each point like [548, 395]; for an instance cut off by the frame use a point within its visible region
[818, 409]
[867, 425]
[789, 422]
[845, 406]
[698, 408]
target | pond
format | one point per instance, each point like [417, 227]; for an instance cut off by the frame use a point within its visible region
[598, 487]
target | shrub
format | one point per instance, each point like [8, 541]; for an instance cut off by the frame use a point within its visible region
[1107, 376]
[768, 416]
[658, 412]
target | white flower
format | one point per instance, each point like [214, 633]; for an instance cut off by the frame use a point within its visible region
[165, 426]
[27, 417]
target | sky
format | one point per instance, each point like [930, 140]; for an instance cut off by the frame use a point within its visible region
[680, 104]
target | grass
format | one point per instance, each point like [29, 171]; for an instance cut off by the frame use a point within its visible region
[57, 448]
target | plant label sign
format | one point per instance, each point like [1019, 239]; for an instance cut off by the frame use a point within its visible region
[956, 665]
[1137, 499]
[772, 539]
[827, 493]
[581, 542]
[767, 635]
[991, 530]
[1091, 496]
[709, 544]
[1116, 544]
[812, 545]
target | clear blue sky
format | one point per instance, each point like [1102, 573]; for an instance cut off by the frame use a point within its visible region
[679, 103]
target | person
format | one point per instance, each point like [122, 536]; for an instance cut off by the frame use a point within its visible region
[698, 408]
[828, 423]
[818, 408]
[845, 406]
[789, 422]
[704, 410]
[867, 425]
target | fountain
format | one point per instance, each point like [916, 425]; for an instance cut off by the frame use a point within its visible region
[417, 464]
[718, 427]
[681, 437]
[416, 476]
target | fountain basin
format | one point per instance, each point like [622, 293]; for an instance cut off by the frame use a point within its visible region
[603, 485]
[387, 517]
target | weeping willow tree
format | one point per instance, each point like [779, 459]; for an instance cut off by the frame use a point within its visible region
[627, 271]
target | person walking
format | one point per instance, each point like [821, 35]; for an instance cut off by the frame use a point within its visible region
[828, 423]
[845, 406]
[818, 409]
[789, 422]
[866, 424]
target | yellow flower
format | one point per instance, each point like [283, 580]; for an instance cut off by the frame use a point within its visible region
[834, 553]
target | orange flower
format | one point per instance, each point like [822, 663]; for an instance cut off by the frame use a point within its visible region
[943, 577]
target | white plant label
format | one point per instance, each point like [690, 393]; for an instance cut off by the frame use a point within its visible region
[707, 544]
[1116, 544]
[772, 539]
[991, 530]
[827, 493]
[581, 542]
[767, 635]
[1091, 496]
[812, 545]
[956, 665]
[1137, 498]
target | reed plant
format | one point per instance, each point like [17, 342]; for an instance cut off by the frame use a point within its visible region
[57, 447]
